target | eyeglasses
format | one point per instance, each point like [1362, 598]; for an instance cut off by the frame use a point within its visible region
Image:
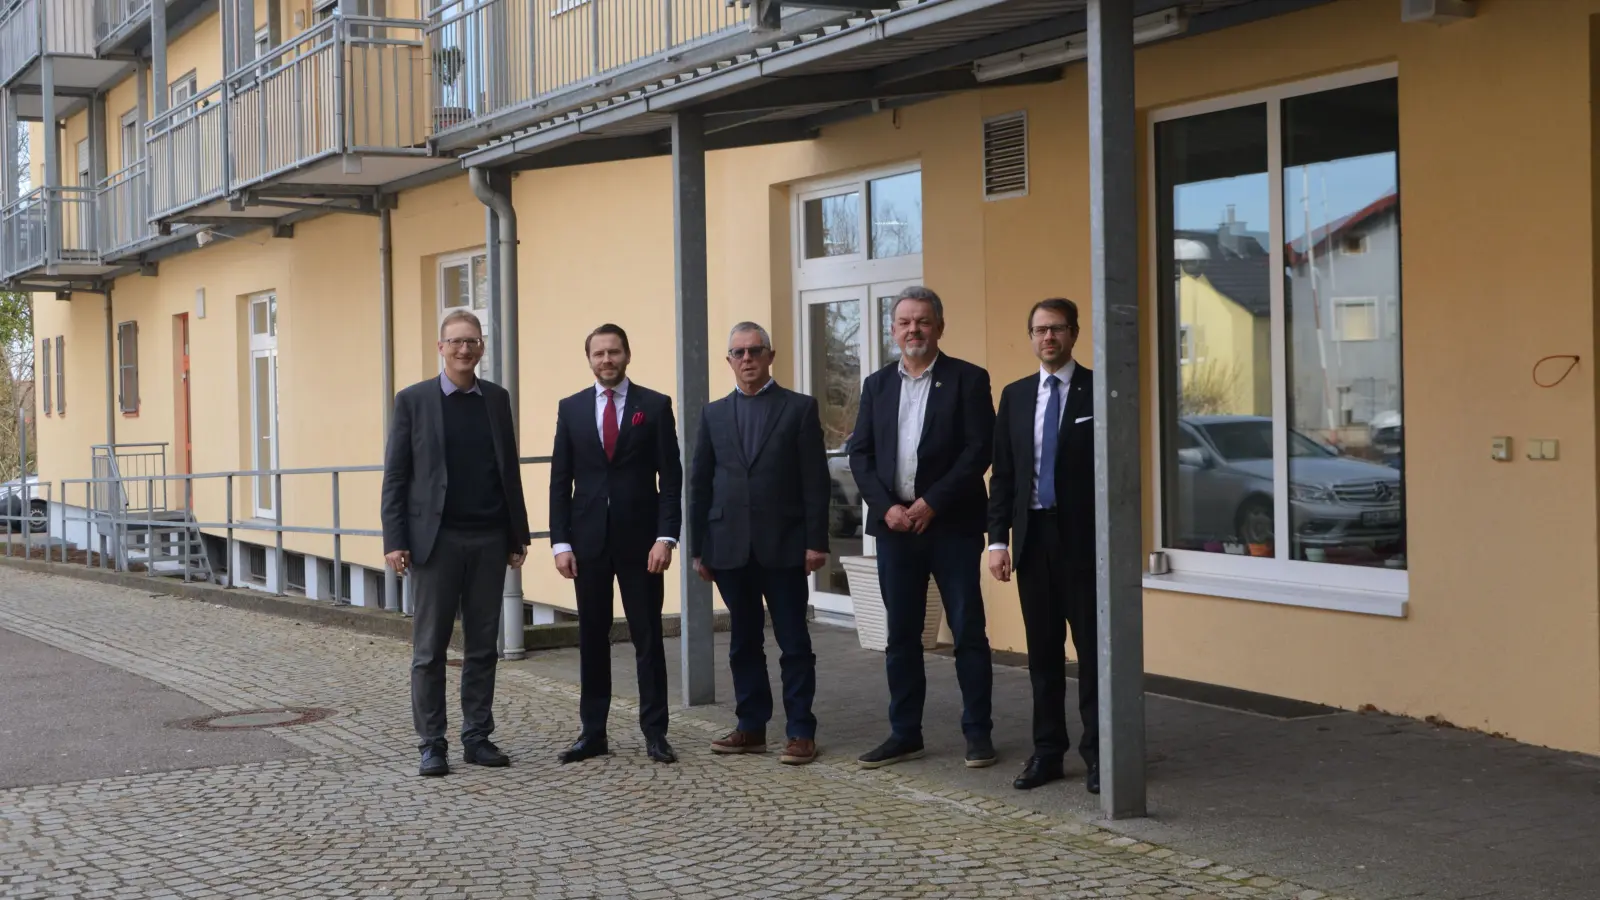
[1053, 330]
[469, 343]
[742, 352]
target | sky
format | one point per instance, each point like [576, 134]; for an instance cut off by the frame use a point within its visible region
[1350, 184]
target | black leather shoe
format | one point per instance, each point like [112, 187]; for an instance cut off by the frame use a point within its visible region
[980, 752]
[1092, 780]
[894, 750]
[659, 750]
[586, 747]
[434, 762]
[1040, 771]
[484, 753]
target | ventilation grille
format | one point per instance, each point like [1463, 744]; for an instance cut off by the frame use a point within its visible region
[1005, 156]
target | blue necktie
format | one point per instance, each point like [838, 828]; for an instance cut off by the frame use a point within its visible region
[1052, 436]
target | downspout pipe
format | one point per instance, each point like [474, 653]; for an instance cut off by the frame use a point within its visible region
[391, 581]
[499, 202]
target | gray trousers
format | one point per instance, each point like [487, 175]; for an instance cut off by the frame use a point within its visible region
[465, 574]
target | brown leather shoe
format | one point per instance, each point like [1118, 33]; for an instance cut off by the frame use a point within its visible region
[798, 752]
[737, 741]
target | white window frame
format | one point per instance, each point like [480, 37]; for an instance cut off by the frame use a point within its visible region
[129, 151]
[263, 346]
[465, 258]
[857, 270]
[1375, 311]
[1318, 585]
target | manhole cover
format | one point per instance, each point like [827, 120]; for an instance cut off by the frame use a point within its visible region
[245, 720]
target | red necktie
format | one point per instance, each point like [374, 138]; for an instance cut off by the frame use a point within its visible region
[608, 429]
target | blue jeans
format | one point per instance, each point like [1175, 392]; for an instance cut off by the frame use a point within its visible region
[787, 594]
[905, 562]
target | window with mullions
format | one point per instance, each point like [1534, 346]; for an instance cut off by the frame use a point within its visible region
[1278, 247]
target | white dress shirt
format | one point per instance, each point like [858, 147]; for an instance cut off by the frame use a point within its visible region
[620, 400]
[1041, 401]
[914, 392]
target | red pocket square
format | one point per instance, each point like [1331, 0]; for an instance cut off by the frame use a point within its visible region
[638, 418]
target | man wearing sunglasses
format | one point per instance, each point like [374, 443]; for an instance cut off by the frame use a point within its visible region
[453, 519]
[758, 527]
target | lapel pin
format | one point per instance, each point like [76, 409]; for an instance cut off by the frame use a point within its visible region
[938, 384]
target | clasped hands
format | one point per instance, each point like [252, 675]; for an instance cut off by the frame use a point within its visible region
[914, 518]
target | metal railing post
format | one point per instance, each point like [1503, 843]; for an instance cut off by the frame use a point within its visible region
[149, 533]
[188, 545]
[25, 502]
[281, 564]
[232, 557]
[338, 548]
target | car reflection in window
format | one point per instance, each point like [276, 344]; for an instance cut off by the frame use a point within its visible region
[1342, 509]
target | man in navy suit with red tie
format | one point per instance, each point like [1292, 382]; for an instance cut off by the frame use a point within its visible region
[616, 483]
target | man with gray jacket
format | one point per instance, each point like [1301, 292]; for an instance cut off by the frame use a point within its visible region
[453, 519]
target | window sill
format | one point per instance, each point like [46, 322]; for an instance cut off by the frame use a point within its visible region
[1283, 593]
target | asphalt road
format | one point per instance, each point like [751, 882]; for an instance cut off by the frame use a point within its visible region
[66, 718]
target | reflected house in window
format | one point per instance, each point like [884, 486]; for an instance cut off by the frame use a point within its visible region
[1225, 307]
[1345, 337]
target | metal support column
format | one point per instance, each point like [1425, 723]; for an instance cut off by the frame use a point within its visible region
[97, 140]
[142, 80]
[159, 87]
[1114, 233]
[246, 23]
[696, 650]
[391, 581]
[11, 168]
[52, 160]
[494, 191]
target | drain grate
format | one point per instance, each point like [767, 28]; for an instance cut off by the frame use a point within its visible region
[250, 719]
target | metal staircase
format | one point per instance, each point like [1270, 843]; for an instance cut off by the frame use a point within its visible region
[133, 516]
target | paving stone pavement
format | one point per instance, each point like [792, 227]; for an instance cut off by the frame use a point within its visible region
[351, 819]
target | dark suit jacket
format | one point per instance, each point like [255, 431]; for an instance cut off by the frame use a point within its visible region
[414, 476]
[1011, 488]
[769, 510]
[622, 504]
[957, 440]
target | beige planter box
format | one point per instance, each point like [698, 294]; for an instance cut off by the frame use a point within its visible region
[872, 623]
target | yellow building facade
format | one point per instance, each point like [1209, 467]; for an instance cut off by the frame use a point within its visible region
[1490, 619]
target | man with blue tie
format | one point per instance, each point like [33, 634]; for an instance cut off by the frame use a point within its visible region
[1041, 496]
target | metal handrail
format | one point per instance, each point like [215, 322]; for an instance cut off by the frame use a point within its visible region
[131, 518]
[197, 131]
[122, 208]
[48, 225]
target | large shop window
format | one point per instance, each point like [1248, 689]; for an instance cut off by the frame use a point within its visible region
[1280, 395]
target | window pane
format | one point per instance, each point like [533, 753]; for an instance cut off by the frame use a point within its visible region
[896, 204]
[455, 287]
[888, 350]
[833, 225]
[480, 283]
[835, 362]
[1340, 183]
[258, 318]
[1216, 307]
[262, 378]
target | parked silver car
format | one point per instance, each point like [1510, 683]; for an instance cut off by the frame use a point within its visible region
[1225, 488]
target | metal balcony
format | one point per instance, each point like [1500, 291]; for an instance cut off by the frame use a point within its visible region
[343, 104]
[50, 235]
[496, 55]
[185, 149]
[33, 29]
[115, 19]
[122, 213]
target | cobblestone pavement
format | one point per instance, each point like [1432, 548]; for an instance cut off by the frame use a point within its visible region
[351, 819]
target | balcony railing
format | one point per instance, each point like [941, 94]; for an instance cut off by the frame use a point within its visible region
[123, 210]
[350, 85]
[29, 28]
[113, 16]
[497, 54]
[50, 226]
[186, 149]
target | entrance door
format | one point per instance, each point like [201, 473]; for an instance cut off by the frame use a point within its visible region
[180, 363]
[858, 242]
[264, 401]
